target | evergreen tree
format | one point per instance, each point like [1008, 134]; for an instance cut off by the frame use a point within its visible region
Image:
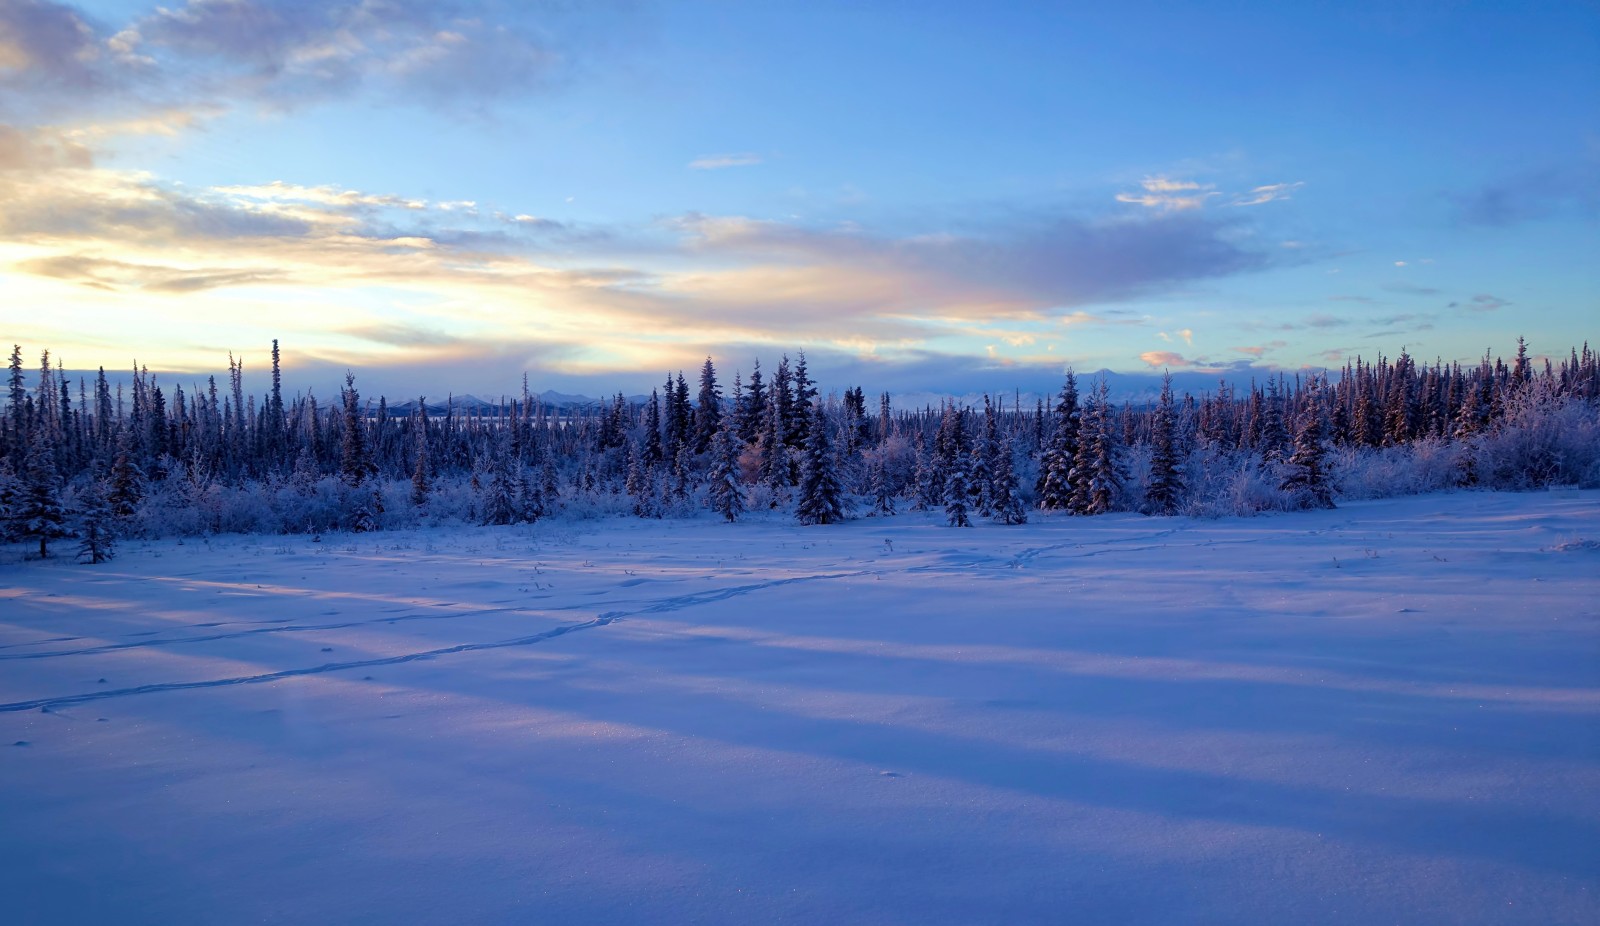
[420, 484]
[1305, 477]
[878, 484]
[820, 501]
[97, 538]
[10, 502]
[127, 479]
[725, 494]
[1007, 501]
[530, 498]
[955, 495]
[1097, 472]
[1166, 481]
[499, 491]
[40, 515]
[708, 408]
[1055, 484]
[355, 462]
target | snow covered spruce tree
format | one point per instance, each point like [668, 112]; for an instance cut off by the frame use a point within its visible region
[1305, 477]
[820, 501]
[725, 494]
[1054, 488]
[1166, 480]
[1097, 474]
[954, 451]
[96, 534]
[40, 514]
[1007, 502]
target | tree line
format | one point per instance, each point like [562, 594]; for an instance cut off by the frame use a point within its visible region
[93, 461]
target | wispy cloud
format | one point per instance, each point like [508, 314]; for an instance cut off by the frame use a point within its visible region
[1168, 194]
[1272, 192]
[723, 161]
[1482, 302]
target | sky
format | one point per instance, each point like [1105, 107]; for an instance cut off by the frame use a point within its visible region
[443, 196]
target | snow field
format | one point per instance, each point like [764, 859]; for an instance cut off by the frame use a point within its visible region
[1387, 712]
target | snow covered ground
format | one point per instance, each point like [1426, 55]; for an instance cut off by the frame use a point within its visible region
[1384, 713]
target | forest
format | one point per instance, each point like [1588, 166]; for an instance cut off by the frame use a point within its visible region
[90, 462]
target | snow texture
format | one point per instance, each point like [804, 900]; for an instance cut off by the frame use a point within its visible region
[1388, 712]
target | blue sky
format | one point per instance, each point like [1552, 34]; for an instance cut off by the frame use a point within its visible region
[922, 197]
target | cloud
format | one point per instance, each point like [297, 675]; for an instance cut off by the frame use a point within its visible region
[1166, 358]
[722, 161]
[47, 46]
[58, 64]
[1482, 302]
[1411, 289]
[1272, 192]
[1571, 189]
[40, 149]
[102, 273]
[1259, 350]
[1170, 195]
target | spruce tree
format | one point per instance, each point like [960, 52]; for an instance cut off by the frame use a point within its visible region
[955, 495]
[725, 494]
[420, 485]
[708, 408]
[1054, 488]
[878, 484]
[1007, 501]
[96, 534]
[127, 479]
[355, 463]
[820, 501]
[1166, 481]
[41, 516]
[1305, 477]
[499, 491]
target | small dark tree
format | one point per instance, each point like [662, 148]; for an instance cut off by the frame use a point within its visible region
[96, 536]
[41, 514]
[355, 463]
[127, 479]
[820, 501]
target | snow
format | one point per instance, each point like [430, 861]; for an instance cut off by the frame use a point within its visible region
[1389, 712]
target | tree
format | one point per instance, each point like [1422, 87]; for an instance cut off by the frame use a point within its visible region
[1305, 477]
[420, 486]
[955, 495]
[820, 501]
[708, 408]
[355, 463]
[127, 479]
[1007, 501]
[499, 491]
[41, 515]
[878, 484]
[1166, 481]
[725, 494]
[1055, 485]
[97, 538]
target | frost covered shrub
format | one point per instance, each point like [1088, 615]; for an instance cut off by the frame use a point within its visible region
[1541, 439]
[1221, 483]
[1427, 465]
[592, 505]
